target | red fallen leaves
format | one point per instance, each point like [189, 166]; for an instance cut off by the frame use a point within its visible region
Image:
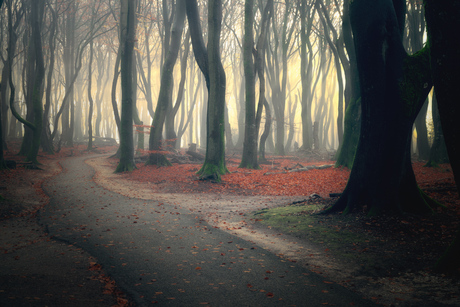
[182, 178]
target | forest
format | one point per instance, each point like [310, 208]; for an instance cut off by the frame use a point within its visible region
[369, 84]
[304, 48]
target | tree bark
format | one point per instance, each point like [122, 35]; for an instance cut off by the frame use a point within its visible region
[214, 164]
[393, 89]
[249, 157]
[352, 125]
[127, 38]
[211, 66]
[156, 157]
[37, 94]
[442, 25]
[46, 142]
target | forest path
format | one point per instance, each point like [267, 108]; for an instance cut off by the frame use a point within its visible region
[166, 253]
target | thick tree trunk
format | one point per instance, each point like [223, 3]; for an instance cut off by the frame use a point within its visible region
[393, 88]
[37, 93]
[214, 164]
[210, 64]
[442, 25]
[351, 133]
[347, 149]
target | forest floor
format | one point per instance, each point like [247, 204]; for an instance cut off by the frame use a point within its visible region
[389, 259]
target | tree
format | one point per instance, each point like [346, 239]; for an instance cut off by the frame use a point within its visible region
[46, 142]
[414, 42]
[251, 67]
[90, 79]
[337, 49]
[156, 131]
[277, 76]
[146, 81]
[442, 25]
[36, 77]
[306, 72]
[2, 160]
[352, 123]
[393, 89]
[210, 64]
[14, 17]
[127, 40]
[72, 71]
[249, 158]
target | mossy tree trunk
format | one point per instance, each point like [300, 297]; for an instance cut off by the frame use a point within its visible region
[393, 89]
[210, 64]
[351, 133]
[156, 157]
[352, 124]
[214, 164]
[442, 25]
[127, 38]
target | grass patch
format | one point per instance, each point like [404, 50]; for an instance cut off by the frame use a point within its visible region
[326, 231]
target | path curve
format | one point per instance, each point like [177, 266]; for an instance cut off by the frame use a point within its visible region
[165, 253]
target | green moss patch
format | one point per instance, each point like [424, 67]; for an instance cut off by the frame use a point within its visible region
[329, 232]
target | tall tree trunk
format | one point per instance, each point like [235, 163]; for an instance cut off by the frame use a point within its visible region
[37, 10]
[127, 39]
[442, 25]
[156, 157]
[69, 68]
[47, 144]
[214, 164]
[249, 157]
[393, 89]
[352, 125]
[89, 85]
[306, 64]
[253, 116]
[210, 64]
[2, 160]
